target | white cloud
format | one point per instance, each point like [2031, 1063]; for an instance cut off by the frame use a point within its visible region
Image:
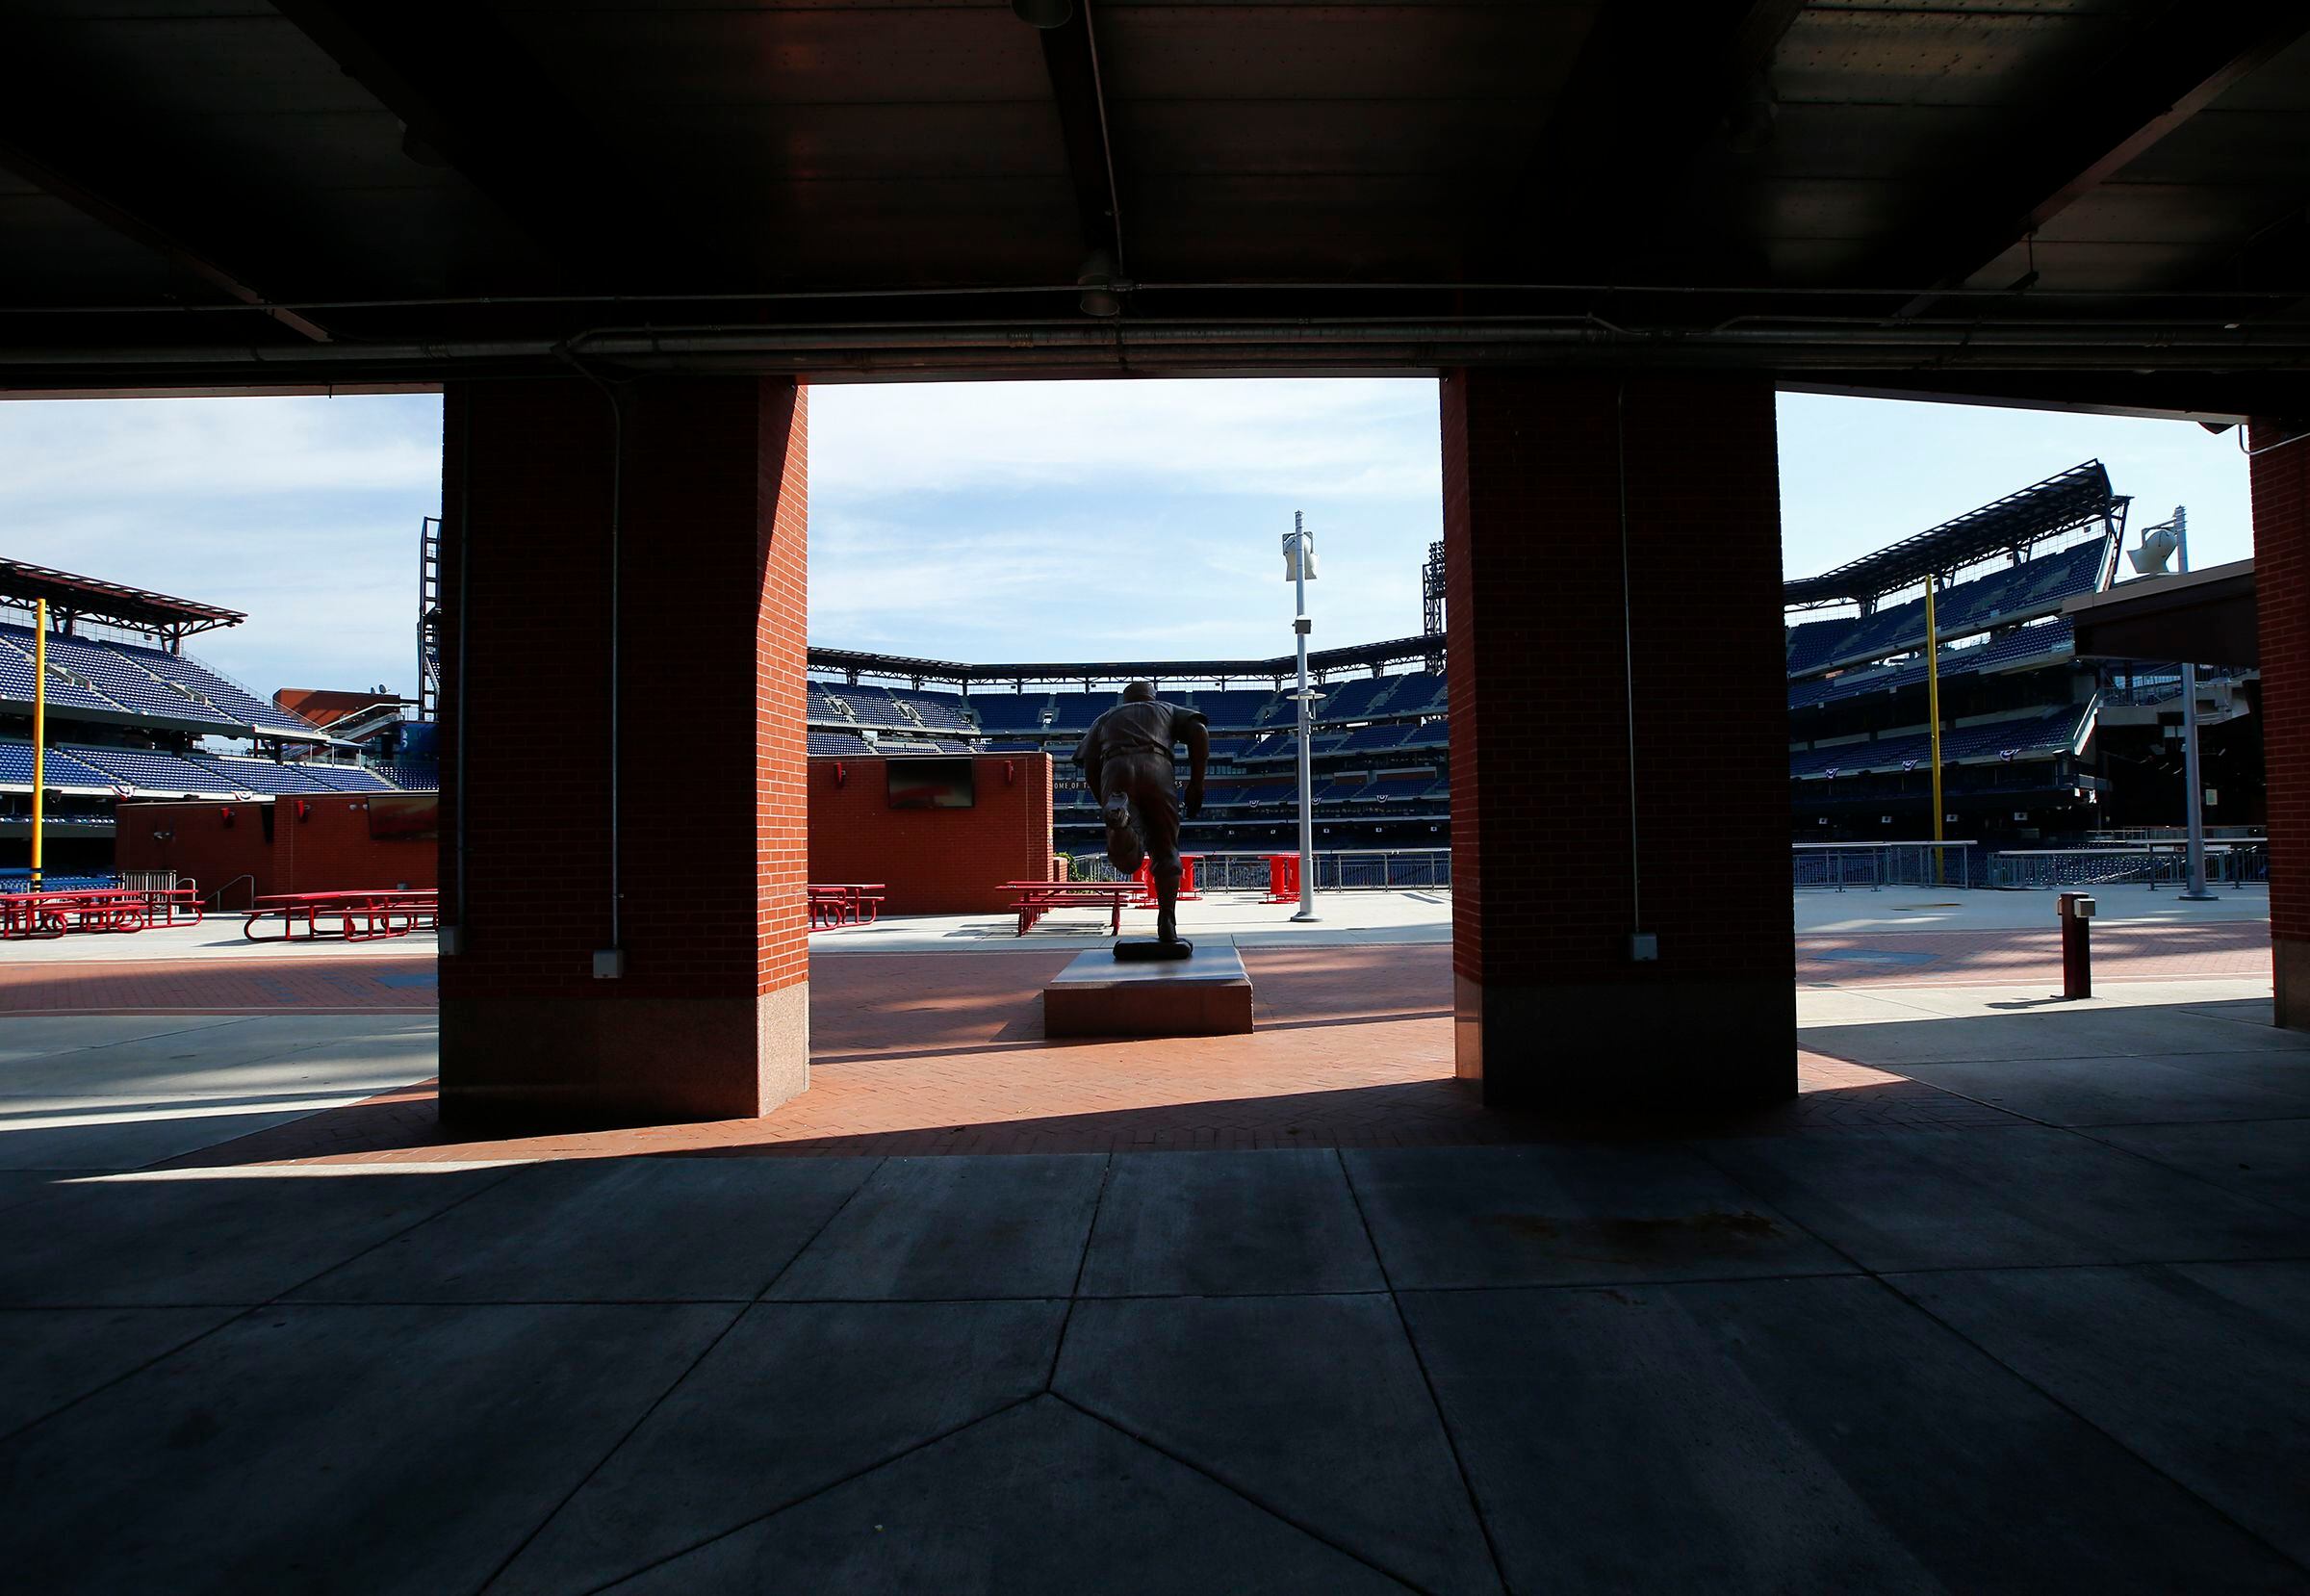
[1301, 439]
[1858, 473]
[301, 512]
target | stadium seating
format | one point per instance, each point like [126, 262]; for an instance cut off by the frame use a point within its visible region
[1355, 698]
[150, 771]
[116, 678]
[2035, 587]
[837, 744]
[1076, 712]
[61, 770]
[16, 680]
[1231, 708]
[938, 710]
[1365, 737]
[262, 775]
[413, 775]
[1396, 787]
[347, 778]
[2039, 736]
[1416, 694]
[228, 697]
[1006, 712]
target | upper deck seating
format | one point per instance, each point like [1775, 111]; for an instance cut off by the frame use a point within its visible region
[16, 680]
[2033, 587]
[1354, 698]
[261, 775]
[149, 770]
[1076, 712]
[59, 769]
[228, 697]
[1007, 711]
[1230, 708]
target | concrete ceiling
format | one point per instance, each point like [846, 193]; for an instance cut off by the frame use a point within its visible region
[2095, 202]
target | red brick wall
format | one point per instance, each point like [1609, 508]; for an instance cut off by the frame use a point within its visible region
[200, 844]
[711, 593]
[933, 862]
[2281, 499]
[329, 850]
[1545, 893]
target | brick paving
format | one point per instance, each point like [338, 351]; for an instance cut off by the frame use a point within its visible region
[2214, 949]
[943, 1052]
[336, 983]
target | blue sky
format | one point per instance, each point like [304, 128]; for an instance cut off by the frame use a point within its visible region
[980, 521]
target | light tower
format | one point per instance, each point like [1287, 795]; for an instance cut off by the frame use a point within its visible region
[2160, 544]
[1299, 569]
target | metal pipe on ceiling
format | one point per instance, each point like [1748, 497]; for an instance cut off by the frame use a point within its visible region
[1991, 346]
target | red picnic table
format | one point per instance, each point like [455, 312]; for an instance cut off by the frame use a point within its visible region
[1033, 899]
[24, 916]
[363, 914]
[835, 902]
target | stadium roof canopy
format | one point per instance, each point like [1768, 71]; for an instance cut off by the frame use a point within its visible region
[1361, 656]
[91, 598]
[2094, 204]
[2075, 499]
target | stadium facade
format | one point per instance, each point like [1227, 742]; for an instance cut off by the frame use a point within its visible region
[1381, 773]
[2037, 745]
[130, 715]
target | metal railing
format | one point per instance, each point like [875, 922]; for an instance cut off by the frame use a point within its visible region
[2153, 865]
[1871, 867]
[1337, 871]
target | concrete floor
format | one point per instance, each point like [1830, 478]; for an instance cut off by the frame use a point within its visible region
[2057, 1346]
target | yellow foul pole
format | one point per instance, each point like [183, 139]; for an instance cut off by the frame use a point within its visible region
[1933, 713]
[40, 735]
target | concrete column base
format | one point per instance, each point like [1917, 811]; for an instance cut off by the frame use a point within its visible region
[2290, 968]
[562, 1063]
[1653, 1046]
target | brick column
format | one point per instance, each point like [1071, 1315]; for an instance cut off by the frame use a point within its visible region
[2282, 499]
[711, 1017]
[1549, 877]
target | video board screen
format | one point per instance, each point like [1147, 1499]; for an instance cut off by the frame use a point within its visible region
[405, 816]
[931, 784]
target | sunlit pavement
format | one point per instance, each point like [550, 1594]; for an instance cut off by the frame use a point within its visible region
[2010, 1299]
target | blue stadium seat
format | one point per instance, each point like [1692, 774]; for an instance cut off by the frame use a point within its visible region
[1076, 712]
[151, 771]
[2035, 587]
[16, 680]
[1231, 708]
[228, 697]
[1006, 712]
[59, 769]
[244, 775]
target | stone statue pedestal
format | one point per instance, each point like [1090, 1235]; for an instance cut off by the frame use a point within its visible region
[1206, 993]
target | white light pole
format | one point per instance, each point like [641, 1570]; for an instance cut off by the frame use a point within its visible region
[1299, 565]
[2196, 809]
[2158, 545]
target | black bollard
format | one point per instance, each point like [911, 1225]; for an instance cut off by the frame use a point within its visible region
[2076, 911]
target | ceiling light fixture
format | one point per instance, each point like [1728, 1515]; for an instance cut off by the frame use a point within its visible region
[1044, 13]
[1096, 280]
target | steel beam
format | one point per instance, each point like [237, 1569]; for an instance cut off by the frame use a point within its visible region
[1070, 56]
[2172, 67]
[472, 98]
[1645, 103]
[110, 162]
